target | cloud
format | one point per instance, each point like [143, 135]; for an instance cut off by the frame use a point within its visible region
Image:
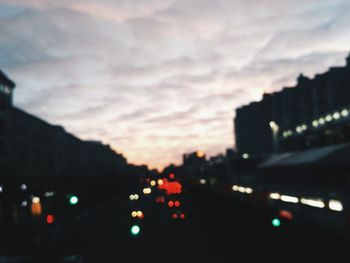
[158, 78]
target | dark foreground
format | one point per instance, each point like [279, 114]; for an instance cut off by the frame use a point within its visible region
[215, 229]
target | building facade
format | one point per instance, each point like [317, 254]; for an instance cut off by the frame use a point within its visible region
[314, 113]
[6, 90]
[30, 146]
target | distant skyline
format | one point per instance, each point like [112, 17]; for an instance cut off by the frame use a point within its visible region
[159, 78]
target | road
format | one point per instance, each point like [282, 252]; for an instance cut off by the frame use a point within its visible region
[216, 229]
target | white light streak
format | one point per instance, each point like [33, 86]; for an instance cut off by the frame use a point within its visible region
[289, 199]
[275, 196]
[312, 202]
[335, 205]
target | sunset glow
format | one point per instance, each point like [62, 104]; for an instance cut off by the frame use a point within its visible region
[159, 78]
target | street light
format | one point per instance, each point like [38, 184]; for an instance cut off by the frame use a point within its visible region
[73, 200]
[135, 230]
[274, 128]
[276, 222]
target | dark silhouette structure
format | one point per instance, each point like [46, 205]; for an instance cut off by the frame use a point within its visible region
[194, 162]
[314, 113]
[30, 146]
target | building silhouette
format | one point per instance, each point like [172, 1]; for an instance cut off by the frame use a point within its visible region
[30, 146]
[314, 113]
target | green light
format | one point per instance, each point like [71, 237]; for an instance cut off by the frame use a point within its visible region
[73, 200]
[135, 230]
[276, 222]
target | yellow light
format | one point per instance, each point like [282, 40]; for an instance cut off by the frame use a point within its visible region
[131, 197]
[36, 208]
[200, 154]
[273, 125]
[139, 213]
[147, 190]
[35, 200]
[136, 196]
[275, 196]
[134, 214]
[321, 120]
[235, 188]
[153, 183]
[241, 189]
[249, 190]
[329, 118]
[160, 182]
[315, 123]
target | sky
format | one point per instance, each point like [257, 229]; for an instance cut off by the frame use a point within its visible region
[158, 78]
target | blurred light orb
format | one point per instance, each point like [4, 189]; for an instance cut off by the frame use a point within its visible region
[35, 200]
[276, 222]
[135, 230]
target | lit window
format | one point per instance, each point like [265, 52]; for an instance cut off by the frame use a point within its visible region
[329, 118]
[345, 113]
[336, 115]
